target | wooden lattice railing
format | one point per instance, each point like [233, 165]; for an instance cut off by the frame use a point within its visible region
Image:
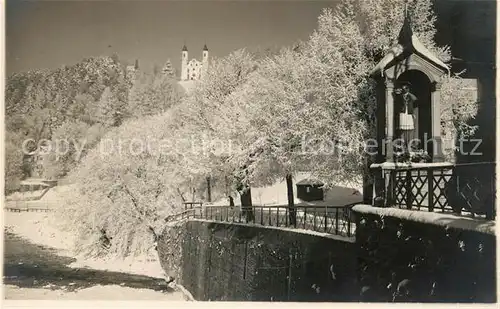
[463, 188]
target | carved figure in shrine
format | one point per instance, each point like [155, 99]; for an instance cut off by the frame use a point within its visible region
[406, 102]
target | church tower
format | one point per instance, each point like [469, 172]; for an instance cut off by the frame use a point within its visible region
[184, 63]
[204, 61]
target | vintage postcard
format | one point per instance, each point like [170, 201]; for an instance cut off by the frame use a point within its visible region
[250, 151]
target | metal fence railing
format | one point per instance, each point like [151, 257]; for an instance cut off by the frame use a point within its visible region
[30, 206]
[337, 220]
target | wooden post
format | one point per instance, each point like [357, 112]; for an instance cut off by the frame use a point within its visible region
[368, 181]
[378, 187]
[389, 101]
[430, 184]
[389, 181]
[437, 148]
[409, 193]
[291, 206]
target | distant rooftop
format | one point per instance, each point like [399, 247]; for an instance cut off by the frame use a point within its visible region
[310, 182]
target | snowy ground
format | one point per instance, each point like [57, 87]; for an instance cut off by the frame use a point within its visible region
[39, 264]
[276, 194]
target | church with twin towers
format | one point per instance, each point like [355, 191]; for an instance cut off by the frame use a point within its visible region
[193, 69]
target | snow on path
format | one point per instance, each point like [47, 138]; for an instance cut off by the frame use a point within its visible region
[40, 228]
[95, 293]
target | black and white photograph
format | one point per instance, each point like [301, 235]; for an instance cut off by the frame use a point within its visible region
[270, 151]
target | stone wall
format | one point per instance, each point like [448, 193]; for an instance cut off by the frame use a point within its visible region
[398, 255]
[217, 261]
[417, 256]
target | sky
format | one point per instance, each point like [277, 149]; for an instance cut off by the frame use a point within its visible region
[50, 34]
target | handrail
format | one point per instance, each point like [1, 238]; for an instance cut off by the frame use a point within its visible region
[466, 187]
[337, 220]
[423, 166]
[295, 206]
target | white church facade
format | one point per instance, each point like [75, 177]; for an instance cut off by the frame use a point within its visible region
[193, 69]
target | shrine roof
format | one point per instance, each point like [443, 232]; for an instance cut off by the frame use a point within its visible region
[407, 43]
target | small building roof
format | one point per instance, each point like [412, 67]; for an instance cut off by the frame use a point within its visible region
[309, 182]
[407, 43]
[34, 182]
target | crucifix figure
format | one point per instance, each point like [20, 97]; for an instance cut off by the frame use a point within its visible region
[406, 115]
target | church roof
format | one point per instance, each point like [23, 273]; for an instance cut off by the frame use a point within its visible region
[407, 43]
[184, 48]
[205, 48]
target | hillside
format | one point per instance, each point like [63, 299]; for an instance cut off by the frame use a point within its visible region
[73, 103]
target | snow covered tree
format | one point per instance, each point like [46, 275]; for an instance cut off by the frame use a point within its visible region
[110, 110]
[215, 121]
[13, 161]
[152, 94]
[129, 184]
[168, 70]
[274, 100]
[347, 44]
[70, 143]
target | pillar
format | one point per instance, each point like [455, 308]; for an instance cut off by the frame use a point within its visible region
[389, 120]
[437, 143]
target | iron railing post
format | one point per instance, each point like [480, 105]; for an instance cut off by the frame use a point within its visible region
[336, 221]
[305, 216]
[326, 210]
[295, 217]
[314, 216]
[348, 212]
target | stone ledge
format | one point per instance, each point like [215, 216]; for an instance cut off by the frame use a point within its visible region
[287, 229]
[400, 165]
[440, 219]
